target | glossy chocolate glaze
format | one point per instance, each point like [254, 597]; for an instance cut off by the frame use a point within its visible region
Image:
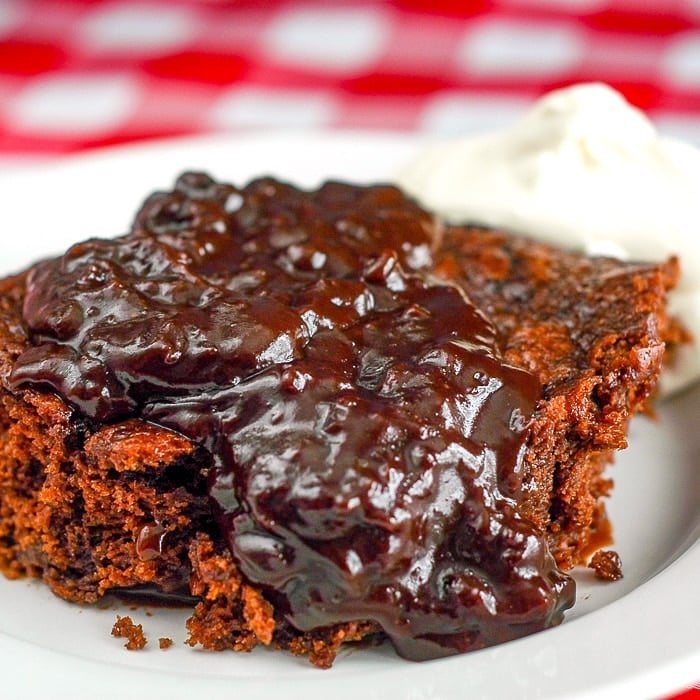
[365, 435]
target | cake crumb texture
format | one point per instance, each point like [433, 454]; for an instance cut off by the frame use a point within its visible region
[607, 565]
[126, 628]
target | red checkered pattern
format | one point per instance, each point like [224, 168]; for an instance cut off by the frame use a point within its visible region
[76, 74]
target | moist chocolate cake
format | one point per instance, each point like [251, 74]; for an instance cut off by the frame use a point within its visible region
[323, 414]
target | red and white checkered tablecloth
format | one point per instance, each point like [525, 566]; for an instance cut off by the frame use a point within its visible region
[77, 74]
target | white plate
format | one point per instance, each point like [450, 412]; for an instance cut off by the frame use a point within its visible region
[635, 638]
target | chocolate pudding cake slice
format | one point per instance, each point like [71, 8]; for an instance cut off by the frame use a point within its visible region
[322, 414]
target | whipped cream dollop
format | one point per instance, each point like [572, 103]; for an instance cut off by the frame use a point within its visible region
[585, 170]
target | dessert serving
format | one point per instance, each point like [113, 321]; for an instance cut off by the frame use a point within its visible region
[325, 415]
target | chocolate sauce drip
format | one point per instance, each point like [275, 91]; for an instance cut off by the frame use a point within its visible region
[366, 436]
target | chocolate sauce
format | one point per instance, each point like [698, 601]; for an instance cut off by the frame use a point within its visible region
[366, 436]
[149, 543]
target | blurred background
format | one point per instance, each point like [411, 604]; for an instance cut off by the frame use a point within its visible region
[79, 74]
